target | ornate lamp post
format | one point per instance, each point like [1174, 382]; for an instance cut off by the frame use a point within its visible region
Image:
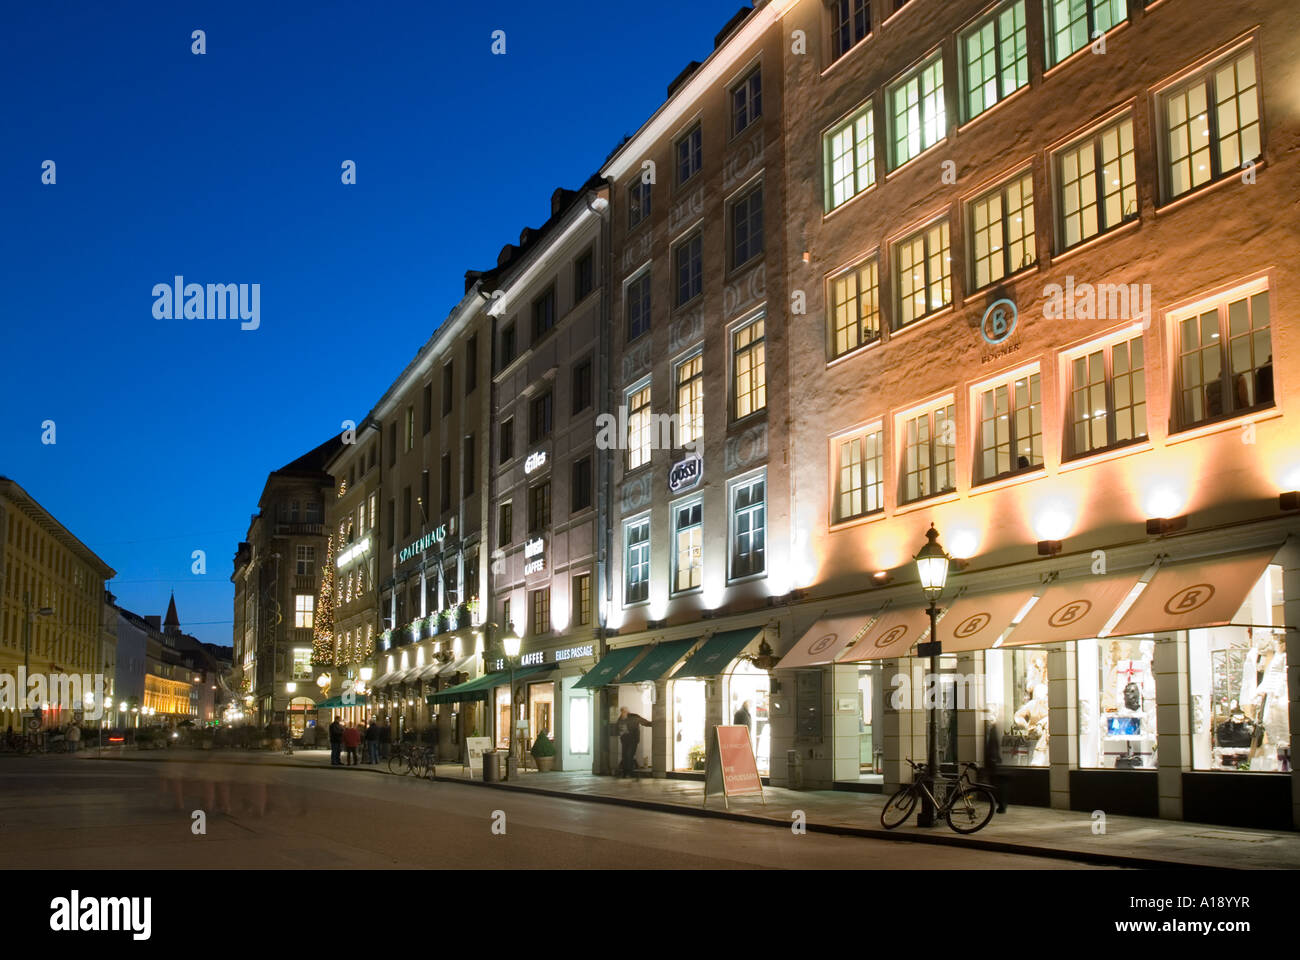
[932, 567]
[289, 689]
[511, 641]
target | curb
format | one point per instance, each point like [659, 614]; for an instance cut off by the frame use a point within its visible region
[869, 833]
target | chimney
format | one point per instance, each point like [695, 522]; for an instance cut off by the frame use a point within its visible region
[155, 622]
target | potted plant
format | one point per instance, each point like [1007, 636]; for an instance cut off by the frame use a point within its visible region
[462, 616]
[443, 621]
[543, 752]
[696, 757]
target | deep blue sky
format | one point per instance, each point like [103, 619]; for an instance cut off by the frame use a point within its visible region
[225, 168]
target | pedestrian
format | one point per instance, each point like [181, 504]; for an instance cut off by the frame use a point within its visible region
[74, 737]
[628, 728]
[372, 742]
[742, 717]
[385, 739]
[336, 742]
[993, 759]
[352, 740]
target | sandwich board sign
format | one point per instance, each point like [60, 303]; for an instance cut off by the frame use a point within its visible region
[731, 769]
[475, 747]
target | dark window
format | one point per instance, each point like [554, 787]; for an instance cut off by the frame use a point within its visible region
[392, 521]
[424, 496]
[467, 466]
[505, 524]
[445, 484]
[406, 511]
[582, 599]
[543, 314]
[638, 202]
[448, 387]
[850, 22]
[746, 223]
[582, 386]
[747, 101]
[428, 407]
[584, 276]
[392, 444]
[690, 155]
[471, 576]
[539, 424]
[373, 448]
[638, 306]
[581, 499]
[507, 439]
[539, 507]
[471, 364]
[689, 269]
[507, 345]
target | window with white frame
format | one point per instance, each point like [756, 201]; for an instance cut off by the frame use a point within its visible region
[918, 119]
[859, 472]
[994, 59]
[923, 273]
[854, 300]
[1212, 124]
[1225, 356]
[302, 663]
[306, 561]
[690, 399]
[690, 154]
[636, 561]
[1096, 183]
[1071, 25]
[1002, 231]
[749, 527]
[688, 268]
[748, 369]
[1108, 396]
[373, 515]
[637, 299]
[850, 157]
[638, 202]
[688, 543]
[929, 446]
[640, 431]
[304, 606]
[1010, 426]
[747, 101]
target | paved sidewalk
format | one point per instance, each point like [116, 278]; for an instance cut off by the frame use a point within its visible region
[1127, 841]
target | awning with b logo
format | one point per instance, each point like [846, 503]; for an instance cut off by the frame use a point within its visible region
[824, 641]
[893, 635]
[1201, 593]
[1072, 610]
[976, 622]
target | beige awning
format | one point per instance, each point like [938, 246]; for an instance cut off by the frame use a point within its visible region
[890, 636]
[1072, 610]
[824, 641]
[1201, 593]
[976, 622]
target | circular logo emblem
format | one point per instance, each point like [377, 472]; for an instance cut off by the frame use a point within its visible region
[892, 636]
[972, 625]
[1067, 613]
[999, 321]
[1189, 598]
[818, 646]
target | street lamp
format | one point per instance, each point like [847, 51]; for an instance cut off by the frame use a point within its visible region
[289, 689]
[932, 568]
[511, 641]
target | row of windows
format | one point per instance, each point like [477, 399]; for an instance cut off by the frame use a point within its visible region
[426, 421]
[539, 606]
[543, 313]
[27, 538]
[747, 541]
[541, 412]
[1224, 368]
[1095, 182]
[539, 502]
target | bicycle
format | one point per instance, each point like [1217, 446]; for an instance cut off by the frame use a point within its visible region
[965, 803]
[399, 760]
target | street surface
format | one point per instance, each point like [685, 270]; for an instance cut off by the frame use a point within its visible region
[67, 813]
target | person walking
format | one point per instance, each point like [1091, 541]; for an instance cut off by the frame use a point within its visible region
[336, 742]
[372, 742]
[385, 739]
[74, 737]
[628, 728]
[742, 717]
[993, 760]
[352, 740]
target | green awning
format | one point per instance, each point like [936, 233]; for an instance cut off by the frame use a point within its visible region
[717, 653]
[336, 703]
[659, 661]
[477, 689]
[610, 665]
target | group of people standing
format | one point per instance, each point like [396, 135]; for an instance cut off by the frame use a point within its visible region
[377, 738]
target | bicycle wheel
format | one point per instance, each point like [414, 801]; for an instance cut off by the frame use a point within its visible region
[971, 809]
[397, 763]
[899, 807]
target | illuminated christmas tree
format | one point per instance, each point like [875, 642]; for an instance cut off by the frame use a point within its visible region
[323, 636]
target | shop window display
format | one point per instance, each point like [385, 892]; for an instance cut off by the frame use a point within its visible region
[749, 685]
[1239, 688]
[688, 703]
[1016, 692]
[1117, 703]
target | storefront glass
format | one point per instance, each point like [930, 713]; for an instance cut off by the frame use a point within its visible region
[1016, 694]
[748, 686]
[1239, 687]
[639, 699]
[688, 705]
[503, 716]
[541, 711]
[1117, 703]
[577, 723]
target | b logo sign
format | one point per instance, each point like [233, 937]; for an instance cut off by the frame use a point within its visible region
[890, 637]
[1189, 598]
[818, 646]
[999, 321]
[971, 625]
[1068, 613]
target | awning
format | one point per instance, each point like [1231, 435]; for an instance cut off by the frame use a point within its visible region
[976, 622]
[716, 653]
[658, 661]
[1202, 593]
[386, 679]
[476, 689]
[429, 672]
[824, 641]
[891, 636]
[609, 666]
[336, 703]
[457, 666]
[1073, 610]
[407, 676]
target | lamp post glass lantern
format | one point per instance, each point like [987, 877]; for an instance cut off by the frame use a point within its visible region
[932, 568]
[512, 642]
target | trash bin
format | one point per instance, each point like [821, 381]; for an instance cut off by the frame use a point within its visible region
[793, 770]
[491, 766]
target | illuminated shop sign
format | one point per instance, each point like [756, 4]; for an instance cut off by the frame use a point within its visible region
[572, 653]
[536, 460]
[423, 544]
[539, 657]
[535, 562]
[532, 659]
[686, 473]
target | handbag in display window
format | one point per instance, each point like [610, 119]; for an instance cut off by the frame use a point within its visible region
[1129, 761]
[1235, 733]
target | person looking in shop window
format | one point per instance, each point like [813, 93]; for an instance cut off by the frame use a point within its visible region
[628, 727]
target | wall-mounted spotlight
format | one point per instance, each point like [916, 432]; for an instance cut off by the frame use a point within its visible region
[1290, 500]
[1159, 526]
[1049, 548]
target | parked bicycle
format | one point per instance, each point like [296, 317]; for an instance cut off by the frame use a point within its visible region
[965, 803]
[411, 758]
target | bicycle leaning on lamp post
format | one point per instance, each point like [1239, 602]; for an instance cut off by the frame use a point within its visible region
[932, 567]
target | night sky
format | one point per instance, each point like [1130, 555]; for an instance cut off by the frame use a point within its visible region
[225, 168]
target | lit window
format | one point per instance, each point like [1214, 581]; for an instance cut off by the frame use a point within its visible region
[749, 369]
[1108, 397]
[1073, 24]
[640, 431]
[1010, 427]
[748, 528]
[302, 663]
[1225, 357]
[688, 562]
[540, 602]
[1002, 231]
[995, 59]
[917, 113]
[1212, 125]
[929, 453]
[690, 400]
[854, 299]
[582, 599]
[923, 273]
[850, 151]
[1097, 183]
[860, 474]
[636, 563]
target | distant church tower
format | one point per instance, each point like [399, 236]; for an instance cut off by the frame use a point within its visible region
[173, 623]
